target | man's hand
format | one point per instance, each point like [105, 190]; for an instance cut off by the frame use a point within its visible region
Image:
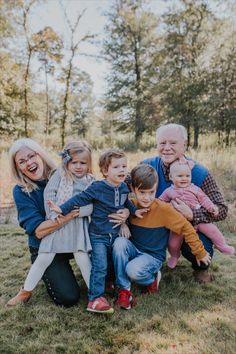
[54, 207]
[119, 217]
[183, 208]
[215, 211]
[139, 213]
[124, 231]
[206, 260]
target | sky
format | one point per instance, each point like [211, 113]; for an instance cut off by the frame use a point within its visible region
[50, 13]
[93, 21]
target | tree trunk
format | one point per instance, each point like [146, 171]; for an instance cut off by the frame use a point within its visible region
[139, 126]
[65, 108]
[26, 102]
[195, 134]
[47, 121]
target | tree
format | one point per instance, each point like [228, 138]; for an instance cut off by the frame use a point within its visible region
[185, 79]
[68, 69]
[130, 48]
[48, 46]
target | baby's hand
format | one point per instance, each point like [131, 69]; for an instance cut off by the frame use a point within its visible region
[124, 231]
[215, 210]
[139, 213]
[206, 260]
[54, 207]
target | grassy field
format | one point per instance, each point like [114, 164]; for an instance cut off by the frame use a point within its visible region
[183, 318]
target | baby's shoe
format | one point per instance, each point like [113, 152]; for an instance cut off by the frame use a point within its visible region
[172, 262]
[226, 249]
[22, 297]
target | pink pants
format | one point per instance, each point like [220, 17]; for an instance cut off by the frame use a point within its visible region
[210, 230]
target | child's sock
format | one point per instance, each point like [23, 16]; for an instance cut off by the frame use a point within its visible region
[172, 262]
[226, 249]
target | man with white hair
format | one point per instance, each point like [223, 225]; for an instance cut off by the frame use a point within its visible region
[171, 144]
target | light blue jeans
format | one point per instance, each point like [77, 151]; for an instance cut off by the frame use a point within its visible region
[132, 265]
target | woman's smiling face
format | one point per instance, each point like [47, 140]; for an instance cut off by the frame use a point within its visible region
[30, 164]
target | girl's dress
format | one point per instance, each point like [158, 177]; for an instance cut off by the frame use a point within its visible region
[73, 236]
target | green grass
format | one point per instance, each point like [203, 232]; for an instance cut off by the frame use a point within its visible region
[184, 317]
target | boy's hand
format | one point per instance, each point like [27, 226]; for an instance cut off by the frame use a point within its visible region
[139, 213]
[54, 207]
[124, 231]
[206, 260]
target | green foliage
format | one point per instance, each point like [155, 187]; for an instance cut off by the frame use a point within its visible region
[130, 48]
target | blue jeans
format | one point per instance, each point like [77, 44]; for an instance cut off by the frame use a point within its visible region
[187, 253]
[101, 257]
[132, 265]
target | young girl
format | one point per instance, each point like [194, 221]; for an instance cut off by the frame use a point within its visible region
[194, 197]
[72, 177]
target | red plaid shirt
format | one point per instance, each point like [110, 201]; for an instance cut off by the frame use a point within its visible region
[210, 188]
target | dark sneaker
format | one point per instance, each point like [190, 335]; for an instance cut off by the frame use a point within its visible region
[100, 305]
[153, 287]
[126, 299]
[202, 276]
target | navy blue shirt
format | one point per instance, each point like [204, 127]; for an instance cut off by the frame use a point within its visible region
[30, 209]
[106, 199]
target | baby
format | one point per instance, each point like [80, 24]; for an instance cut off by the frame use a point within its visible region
[194, 197]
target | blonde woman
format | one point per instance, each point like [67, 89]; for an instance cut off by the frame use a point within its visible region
[31, 168]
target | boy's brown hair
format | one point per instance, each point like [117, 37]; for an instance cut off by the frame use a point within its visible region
[107, 156]
[143, 176]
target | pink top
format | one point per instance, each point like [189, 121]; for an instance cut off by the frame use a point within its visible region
[193, 196]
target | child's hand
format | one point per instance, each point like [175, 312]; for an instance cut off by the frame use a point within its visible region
[139, 213]
[206, 260]
[54, 207]
[215, 210]
[124, 231]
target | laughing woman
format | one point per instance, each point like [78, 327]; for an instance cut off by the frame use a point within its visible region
[31, 168]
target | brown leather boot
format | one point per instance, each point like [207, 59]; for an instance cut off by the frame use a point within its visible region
[20, 298]
[202, 276]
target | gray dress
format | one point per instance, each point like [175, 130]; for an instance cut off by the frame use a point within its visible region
[73, 236]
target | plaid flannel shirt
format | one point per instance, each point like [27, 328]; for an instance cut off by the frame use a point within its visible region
[210, 188]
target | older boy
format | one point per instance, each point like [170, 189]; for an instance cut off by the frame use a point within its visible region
[140, 258]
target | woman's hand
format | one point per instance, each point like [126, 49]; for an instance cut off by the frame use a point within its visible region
[183, 208]
[119, 217]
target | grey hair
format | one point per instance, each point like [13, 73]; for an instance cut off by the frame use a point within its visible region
[179, 127]
[22, 180]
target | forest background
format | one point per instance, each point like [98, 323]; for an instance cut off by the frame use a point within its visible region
[165, 61]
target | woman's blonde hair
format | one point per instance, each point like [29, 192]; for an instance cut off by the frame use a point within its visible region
[72, 148]
[22, 180]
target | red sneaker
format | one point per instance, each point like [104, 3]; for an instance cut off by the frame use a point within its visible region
[100, 305]
[126, 299]
[153, 287]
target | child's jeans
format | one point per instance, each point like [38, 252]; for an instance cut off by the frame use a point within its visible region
[131, 264]
[101, 257]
